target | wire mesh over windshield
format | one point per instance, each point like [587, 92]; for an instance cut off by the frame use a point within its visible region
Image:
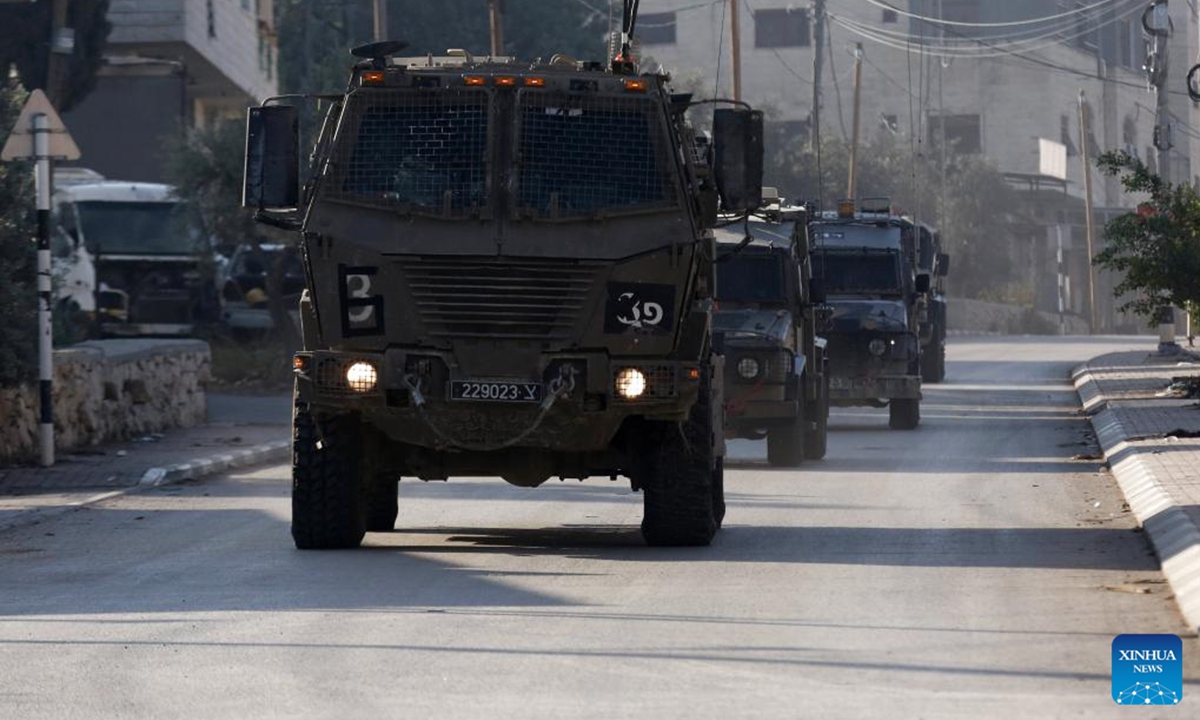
[750, 277]
[427, 151]
[855, 271]
[581, 156]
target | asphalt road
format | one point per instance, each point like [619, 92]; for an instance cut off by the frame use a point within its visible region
[968, 569]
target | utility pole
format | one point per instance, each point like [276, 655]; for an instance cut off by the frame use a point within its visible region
[736, 49]
[1157, 22]
[818, 66]
[858, 60]
[496, 22]
[381, 20]
[1087, 214]
[62, 44]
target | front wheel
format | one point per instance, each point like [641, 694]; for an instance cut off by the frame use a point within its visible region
[904, 414]
[326, 501]
[786, 443]
[816, 441]
[682, 483]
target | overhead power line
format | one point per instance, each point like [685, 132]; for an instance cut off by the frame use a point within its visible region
[1011, 23]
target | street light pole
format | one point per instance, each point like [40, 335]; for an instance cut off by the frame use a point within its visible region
[381, 20]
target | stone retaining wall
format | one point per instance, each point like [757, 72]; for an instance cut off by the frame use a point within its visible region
[110, 390]
[985, 317]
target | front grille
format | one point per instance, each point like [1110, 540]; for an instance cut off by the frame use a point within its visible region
[476, 300]
[161, 308]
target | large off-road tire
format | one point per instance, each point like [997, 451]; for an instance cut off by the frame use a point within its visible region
[683, 486]
[785, 443]
[816, 441]
[718, 492]
[904, 414]
[326, 501]
[380, 503]
[933, 363]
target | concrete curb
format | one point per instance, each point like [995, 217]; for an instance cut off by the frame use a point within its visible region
[201, 467]
[1172, 532]
[158, 476]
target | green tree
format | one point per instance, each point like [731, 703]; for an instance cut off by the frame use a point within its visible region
[1156, 248]
[25, 30]
[18, 260]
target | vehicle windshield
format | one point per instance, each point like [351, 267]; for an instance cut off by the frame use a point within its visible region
[851, 272]
[424, 150]
[582, 156]
[751, 278]
[134, 228]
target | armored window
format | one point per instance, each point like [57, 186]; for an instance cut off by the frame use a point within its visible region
[783, 27]
[751, 277]
[858, 271]
[889, 16]
[656, 28]
[423, 151]
[584, 156]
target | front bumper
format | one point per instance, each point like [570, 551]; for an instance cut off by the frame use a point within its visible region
[411, 401]
[847, 390]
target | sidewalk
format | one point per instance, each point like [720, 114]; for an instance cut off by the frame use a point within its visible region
[1156, 461]
[241, 430]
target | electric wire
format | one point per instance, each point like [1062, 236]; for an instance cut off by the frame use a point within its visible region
[940, 21]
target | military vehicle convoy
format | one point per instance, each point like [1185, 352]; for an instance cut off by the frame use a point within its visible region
[510, 271]
[776, 384]
[866, 262]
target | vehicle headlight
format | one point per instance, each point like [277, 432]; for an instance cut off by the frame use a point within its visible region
[631, 383]
[361, 377]
[748, 368]
[878, 346]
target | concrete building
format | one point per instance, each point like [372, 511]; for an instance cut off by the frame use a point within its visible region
[172, 64]
[996, 81]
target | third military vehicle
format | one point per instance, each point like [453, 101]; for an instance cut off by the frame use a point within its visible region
[776, 383]
[510, 272]
[865, 261]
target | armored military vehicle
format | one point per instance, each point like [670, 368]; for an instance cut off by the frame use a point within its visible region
[509, 272]
[865, 262]
[775, 376]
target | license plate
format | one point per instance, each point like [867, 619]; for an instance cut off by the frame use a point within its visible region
[839, 383]
[488, 391]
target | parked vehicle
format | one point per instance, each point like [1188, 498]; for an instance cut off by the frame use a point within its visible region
[242, 281]
[126, 260]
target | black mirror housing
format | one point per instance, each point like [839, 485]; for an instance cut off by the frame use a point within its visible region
[922, 283]
[816, 291]
[943, 264]
[738, 165]
[272, 172]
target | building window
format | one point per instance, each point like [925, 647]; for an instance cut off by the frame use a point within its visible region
[962, 133]
[890, 17]
[962, 11]
[656, 28]
[889, 122]
[212, 19]
[784, 27]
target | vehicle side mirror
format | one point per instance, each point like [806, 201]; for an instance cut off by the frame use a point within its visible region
[272, 171]
[738, 164]
[943, 264]
[922, 283]
[816, 291]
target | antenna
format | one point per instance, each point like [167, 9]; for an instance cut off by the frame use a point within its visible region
[623, 62]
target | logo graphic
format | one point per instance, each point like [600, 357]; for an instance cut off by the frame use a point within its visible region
[639, 307]
[1147, 670]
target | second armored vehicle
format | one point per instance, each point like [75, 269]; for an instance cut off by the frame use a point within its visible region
[776, 383]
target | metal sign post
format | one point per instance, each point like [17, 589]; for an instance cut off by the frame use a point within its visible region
[40, 135]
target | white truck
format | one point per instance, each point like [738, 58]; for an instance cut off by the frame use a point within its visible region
[126, 261]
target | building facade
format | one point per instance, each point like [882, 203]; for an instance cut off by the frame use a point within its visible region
[172, 64]
[1002, 79]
